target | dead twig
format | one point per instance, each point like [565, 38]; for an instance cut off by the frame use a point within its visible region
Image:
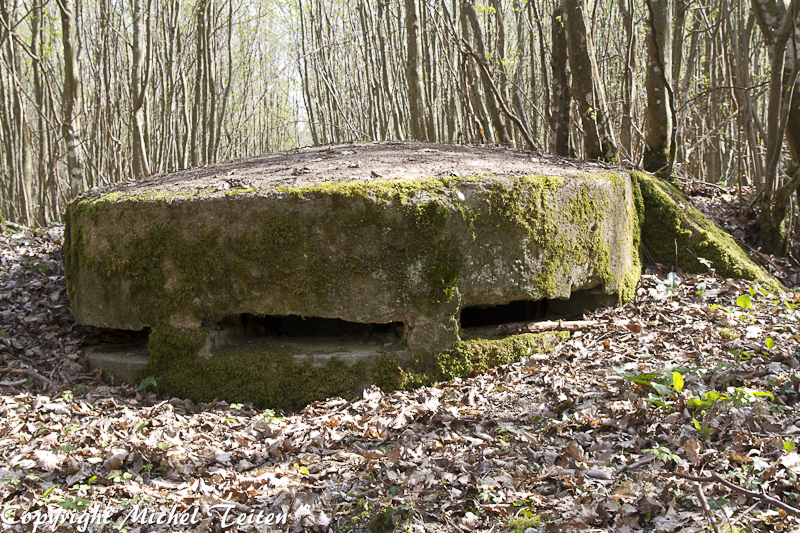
[744, 513]
[636, 464]
[545, 325]
[760, 495]
[708, 183]
[706, 508]
[33, 374]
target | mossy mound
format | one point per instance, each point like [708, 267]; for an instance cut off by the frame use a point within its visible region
[677, 234]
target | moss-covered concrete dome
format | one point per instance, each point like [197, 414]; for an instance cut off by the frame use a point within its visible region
[303, 270]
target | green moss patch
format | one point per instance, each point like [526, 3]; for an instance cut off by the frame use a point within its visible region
[478, 355]
[671, 221]
[536, 521]
[273, 379]
[727, 334]
[278, 377]
[474, 355]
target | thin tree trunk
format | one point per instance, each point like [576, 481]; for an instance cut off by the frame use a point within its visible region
[628, 82]
[414, 76]
[71, 125]
[140, 77]
[659, 150]
[561, 93]
[587, 87]
[495, 113]
[38, 91]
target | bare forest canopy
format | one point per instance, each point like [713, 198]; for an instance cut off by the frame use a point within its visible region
[98, 91]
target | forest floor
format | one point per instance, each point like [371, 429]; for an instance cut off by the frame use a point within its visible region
[698, 376]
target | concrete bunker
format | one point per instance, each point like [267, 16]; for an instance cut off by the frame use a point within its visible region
[386, 255]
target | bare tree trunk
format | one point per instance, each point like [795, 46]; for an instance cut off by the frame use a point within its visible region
[532, 10]
[659, 150]
[480, 49]
[387, 87]
[516, 98]
[628, 82]
[209, 84]
[198, 109]
[475, 104]
[306, 80]
[778, 24]
[140, 78]
[38, 92]
[71, 125]
[414, 77]
[21, 165]
[587, 86]
[227, 94]
[561, 93]
[691, 62]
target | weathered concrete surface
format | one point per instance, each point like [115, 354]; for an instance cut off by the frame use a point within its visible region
[410, 251]
[119, 364]
[179, 255]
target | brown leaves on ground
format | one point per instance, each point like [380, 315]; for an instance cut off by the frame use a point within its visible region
[698, 375]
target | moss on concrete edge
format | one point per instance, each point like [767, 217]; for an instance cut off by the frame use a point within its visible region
[277, 379]
[671, 220]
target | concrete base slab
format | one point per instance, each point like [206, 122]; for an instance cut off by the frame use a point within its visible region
[119, 364]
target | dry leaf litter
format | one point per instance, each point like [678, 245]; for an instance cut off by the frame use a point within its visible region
[699, 375]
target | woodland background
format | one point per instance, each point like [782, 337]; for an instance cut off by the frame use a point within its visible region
[100, 91]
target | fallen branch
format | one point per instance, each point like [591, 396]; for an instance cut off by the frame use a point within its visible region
[33, 374]
[13, 383]
[763, 497]
[706, 508]
[546, 325]
[636, 464]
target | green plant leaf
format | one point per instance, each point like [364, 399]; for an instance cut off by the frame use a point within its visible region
[789, 446]
[701, 402]
[702, 428]
[770, 343]
[304, 471]
[146, 382]
[661, 389]
[762, 393]
[744, 301]
[672, 281]
[677, 381]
